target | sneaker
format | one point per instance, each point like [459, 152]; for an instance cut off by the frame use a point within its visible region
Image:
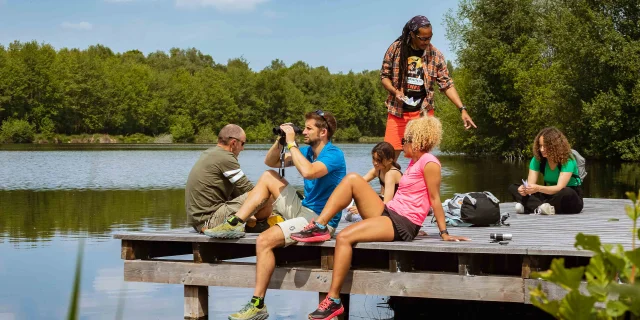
[250, 312]
[545, 209]
[327, 310]
[519, 208]
[226, 231]
[312, 233]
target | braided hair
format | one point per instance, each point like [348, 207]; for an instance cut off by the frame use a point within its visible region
[412, 25]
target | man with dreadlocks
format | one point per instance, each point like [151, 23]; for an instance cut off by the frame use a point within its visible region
[410, 67]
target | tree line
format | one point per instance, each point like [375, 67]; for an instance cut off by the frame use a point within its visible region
[522, 65]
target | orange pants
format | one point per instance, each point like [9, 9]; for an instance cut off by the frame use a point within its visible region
[396, 126]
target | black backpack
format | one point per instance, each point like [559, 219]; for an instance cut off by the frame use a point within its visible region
[473, 208]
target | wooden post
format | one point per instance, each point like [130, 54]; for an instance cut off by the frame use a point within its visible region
[326, 263]
[196, 302]
[529, 264]
[400, 261]
[196, 298]
[465, 266]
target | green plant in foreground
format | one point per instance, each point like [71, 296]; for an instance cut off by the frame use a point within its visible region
[612, 279]
[75, 294]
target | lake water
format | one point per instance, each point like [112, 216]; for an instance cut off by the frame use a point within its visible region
[53, 195]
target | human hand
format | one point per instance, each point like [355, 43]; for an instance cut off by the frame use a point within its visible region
[532, 188]
[466, 120]
[400, 96]
[521, 190]
[446, 237]
[290, 135]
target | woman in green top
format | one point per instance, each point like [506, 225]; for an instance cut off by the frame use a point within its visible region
[562, 191]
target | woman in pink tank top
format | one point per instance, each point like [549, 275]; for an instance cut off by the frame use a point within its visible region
[398, 220]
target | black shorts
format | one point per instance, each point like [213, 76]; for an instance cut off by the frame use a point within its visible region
[403, 228]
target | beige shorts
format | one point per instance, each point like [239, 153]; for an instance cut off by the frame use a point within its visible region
[296, 216]
[227, 209]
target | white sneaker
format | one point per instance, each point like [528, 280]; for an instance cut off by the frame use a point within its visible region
[545, 209]
[519, 208]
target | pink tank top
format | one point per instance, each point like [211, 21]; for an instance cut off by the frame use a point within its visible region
[412, 199]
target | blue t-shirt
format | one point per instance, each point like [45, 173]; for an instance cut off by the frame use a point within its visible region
[317, 191]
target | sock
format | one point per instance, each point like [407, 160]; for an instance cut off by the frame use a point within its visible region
[257, 302]
[336, 301]
[234, 220]
[320, 226]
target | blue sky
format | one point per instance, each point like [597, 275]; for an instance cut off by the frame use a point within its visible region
[341, 35]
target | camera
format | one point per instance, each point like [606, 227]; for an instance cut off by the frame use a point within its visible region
[500, 236]
[277, 131]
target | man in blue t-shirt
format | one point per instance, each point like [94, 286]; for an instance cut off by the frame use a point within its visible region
[322, 165]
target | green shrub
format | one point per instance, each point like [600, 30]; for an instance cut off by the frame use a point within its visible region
[351, 133]
[137, 138]
[260, 133]
[206, 135]
[17, 131]
[163, 138]
[612, 278]
[182, 129]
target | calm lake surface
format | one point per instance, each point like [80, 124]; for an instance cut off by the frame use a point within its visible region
[53, 195]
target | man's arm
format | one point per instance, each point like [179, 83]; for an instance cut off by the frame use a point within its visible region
[307, 169]
[231, 171]
[272, 159]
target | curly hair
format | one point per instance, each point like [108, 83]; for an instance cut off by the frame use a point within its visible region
[425, 133]
[555, 144]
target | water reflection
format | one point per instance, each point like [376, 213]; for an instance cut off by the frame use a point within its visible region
[52, 195]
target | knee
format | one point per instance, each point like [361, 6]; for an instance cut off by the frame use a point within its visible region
[265, 241]
[352, 176]
[343, 238]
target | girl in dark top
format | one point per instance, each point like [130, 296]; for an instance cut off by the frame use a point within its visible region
[562, 189]
[386, 169]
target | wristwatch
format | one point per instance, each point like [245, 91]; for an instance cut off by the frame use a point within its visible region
[462, 108]
[291, 145]
[445, 231]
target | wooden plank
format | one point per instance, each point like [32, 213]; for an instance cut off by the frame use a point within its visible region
[553, 291]
[134, 249]
[532, 234]
[196, 302]
[213, 252]
[326, 258]
[403, 284]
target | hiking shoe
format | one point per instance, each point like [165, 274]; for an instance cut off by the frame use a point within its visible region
[312, 233]
[546, 209]
[250, 312]
[226, 231]
[519, 208]
[327, 310]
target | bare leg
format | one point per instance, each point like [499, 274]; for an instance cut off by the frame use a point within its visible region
[369, 230]
[352, 186]
[269, 185]
[265, 259]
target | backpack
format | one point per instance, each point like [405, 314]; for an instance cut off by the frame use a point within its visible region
[473, 209]
[580, 161]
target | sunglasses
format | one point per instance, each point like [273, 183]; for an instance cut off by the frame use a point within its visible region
[422, 38]
[321, 114]
[405, 141]
[241, 142]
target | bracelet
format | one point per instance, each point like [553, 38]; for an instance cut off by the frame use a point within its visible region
[462, 108]
[445, 231]
[291, 145]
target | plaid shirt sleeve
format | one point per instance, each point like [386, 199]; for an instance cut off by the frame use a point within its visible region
[387, 63]
[443, 78]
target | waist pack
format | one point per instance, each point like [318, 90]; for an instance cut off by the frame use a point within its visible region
[473, 209]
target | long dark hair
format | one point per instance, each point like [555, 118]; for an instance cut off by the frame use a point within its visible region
[384, 151]
[405, 47]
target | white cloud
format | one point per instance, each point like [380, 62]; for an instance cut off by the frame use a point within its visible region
[77, 26]
[222, 5]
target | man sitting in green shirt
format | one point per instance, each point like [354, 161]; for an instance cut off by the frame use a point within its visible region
[217, 187]
[562, 191]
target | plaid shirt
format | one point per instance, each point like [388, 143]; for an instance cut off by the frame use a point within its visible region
[435, 70]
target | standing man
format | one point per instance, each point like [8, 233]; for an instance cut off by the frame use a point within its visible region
[217, 187]
[410, 67]
[322, 165]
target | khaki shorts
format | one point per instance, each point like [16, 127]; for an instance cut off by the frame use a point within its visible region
[227, 209]
[296, 216]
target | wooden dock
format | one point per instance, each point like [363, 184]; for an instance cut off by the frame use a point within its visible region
[424, 268]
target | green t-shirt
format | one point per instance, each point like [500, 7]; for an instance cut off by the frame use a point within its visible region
[551, 176]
